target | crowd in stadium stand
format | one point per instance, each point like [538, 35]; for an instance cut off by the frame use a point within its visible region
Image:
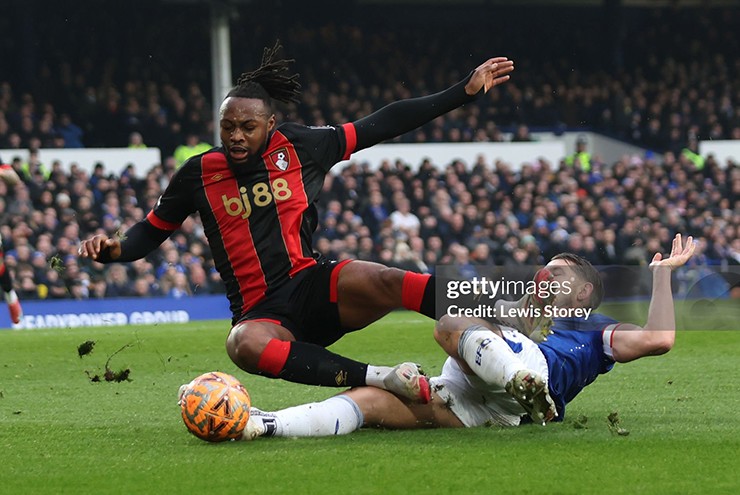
[466, 217]
[614, 213]
[675, 80]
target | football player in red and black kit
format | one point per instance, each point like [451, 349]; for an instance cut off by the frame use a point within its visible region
[256, 198]
[11, 178]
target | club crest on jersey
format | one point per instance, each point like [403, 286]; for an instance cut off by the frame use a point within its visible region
[280, 159]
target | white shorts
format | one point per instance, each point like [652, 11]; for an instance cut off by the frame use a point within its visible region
[477, 403]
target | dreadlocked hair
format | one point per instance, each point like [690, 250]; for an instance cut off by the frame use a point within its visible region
[270, 80]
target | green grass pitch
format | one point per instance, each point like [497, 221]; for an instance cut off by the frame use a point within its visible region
[61, 433]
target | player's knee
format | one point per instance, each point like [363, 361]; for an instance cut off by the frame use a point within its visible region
[447, 335]
[450, 324]
[375, 404]
[244, 346]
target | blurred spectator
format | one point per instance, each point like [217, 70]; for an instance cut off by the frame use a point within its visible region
[522, 134]
[70, 133]
[136, 141]
[193, 146]
[460, 260]
[98, 287]
[581, 158]
[53, 286]
[403, 221]
[142, 288]
[117, 282]
[406, 259]
[180, 286]
[79, 291]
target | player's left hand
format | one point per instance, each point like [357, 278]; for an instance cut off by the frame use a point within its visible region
[680, 254]
[490, 73]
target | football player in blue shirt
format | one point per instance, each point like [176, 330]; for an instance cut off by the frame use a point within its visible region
[496, 375]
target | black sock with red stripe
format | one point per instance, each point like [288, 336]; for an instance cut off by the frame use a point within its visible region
[310, 364]
[418, 293]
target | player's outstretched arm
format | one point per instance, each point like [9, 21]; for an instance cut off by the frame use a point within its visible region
[135, 243]
[631, 342]
[406, 115]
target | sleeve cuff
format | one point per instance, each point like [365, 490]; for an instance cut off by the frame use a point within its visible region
[350, 136]
[161, 224]
[607, 339]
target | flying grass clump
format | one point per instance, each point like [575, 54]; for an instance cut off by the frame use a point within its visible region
[614, 422]
[108, 375]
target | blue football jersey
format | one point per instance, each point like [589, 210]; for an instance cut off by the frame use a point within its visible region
[575, 356]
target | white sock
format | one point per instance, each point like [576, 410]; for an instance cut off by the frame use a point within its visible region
[11, 297]
[376, 374]
[489, 356]
[337, 415]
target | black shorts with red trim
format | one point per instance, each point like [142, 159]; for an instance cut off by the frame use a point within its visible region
[306, 305]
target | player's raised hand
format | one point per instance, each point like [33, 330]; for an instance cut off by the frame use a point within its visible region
[91, 248]
[490, 73]
[680, 254]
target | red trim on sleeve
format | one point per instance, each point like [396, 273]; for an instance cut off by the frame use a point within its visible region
[5, 166]
[611, 337]
[350, 135]
[412, 290]
[273, 357]
[334, 280]
[161, 224]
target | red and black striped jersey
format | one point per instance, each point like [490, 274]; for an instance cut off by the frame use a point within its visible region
[258, 218]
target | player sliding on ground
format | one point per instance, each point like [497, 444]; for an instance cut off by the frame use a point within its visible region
[496, 375]
[256, 196]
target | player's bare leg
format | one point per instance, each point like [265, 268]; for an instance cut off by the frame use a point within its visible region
[349, 411]
[385, 410]
[269, 349]
[248, 340]
[366, 292]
